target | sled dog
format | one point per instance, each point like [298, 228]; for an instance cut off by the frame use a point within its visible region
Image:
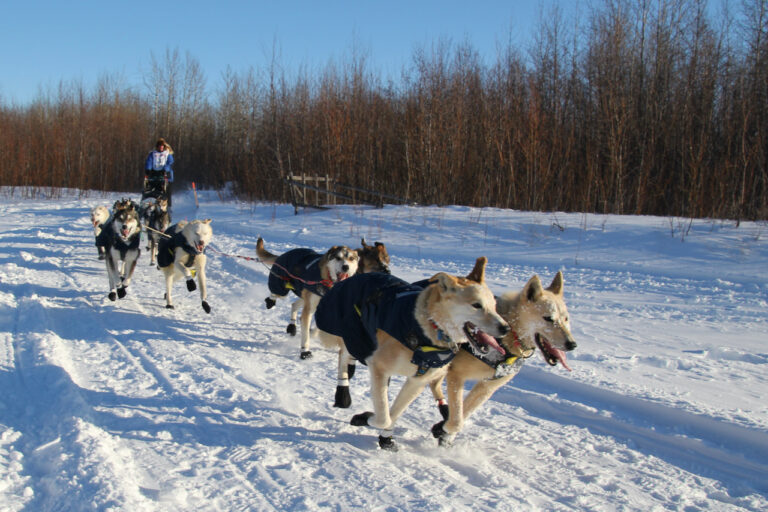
[99, 217]
[120, 239]
[157, 219]
[181, 253]
[537, 317]
[308, 274]
[397, 328]
[373, 258]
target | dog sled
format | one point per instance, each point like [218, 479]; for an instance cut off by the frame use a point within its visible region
[155, 185]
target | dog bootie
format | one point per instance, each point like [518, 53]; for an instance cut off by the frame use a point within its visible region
[270, 302]
[306, 354]
[191, 286]
[387, 443]
[206, 307]
[121, 292]
[342, 399]
[361, 420]
[291, 329]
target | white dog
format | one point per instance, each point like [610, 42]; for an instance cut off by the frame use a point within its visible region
[181, 253]
[99, 217]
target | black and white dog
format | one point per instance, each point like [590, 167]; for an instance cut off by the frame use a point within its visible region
[156, 217]
[120, 239]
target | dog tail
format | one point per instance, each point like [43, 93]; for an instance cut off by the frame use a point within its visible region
[264, 255]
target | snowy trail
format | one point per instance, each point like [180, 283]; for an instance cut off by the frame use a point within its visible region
[131, 406]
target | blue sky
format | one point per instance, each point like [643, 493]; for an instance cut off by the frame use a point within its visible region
[45, 42]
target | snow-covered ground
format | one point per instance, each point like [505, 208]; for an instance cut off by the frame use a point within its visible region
[129, 406]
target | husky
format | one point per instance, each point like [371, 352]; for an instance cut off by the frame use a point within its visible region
[538, 318]
[397, 328]
[373, 258]
[124, 204]
[181, 253]
[308, 274]
[157, 219]
[99, 217]
[120, 239]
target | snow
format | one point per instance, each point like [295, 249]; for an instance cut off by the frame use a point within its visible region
[129, 406]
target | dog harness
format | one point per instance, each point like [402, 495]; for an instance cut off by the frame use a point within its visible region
[109, 238]
[357, 307]
[166, 247]
[297, 270]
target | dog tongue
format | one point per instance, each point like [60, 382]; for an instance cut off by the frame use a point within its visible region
[343, 276]
[485, 339]
[560, 355]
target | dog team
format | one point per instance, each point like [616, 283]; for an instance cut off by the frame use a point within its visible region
[445, 329]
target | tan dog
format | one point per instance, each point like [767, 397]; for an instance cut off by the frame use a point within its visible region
[397, 328]
[308, 274]
[538, 318]
[99, 217]
[181, 253]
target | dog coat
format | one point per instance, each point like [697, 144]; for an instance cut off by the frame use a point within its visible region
[296, 270]
[356, 307]
[166, 247]
[109, 238]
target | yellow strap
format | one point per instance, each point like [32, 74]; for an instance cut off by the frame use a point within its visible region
[511, 360]
[432, 349]
[288, 285]
[357, 310]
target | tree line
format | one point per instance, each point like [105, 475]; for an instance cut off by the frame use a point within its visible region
[633, 107]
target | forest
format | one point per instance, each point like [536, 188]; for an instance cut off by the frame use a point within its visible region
[647, 107]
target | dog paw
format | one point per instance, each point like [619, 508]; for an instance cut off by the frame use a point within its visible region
[351, 370]
[446, 440]
[387, 443]
[191, 286]
[121, 292]
[291, 329]
[361, 420]
[342, 399]
[112, 296]
[206, 307]
[270, 302]
[437, 430]
[306, 354]
[102, 256]
[169, 306]
[443, 410]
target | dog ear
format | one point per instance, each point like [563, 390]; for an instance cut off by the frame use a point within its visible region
[533, 289]
[557, 284]
[362, 241]
[478, 273]
[207, 221]
[383, 255]
[446, 282]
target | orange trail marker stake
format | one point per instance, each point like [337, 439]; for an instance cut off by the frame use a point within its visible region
[197, 205]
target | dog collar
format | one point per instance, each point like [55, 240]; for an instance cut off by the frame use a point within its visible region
[441, 334]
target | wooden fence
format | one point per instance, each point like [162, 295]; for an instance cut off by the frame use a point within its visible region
[323, 192]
